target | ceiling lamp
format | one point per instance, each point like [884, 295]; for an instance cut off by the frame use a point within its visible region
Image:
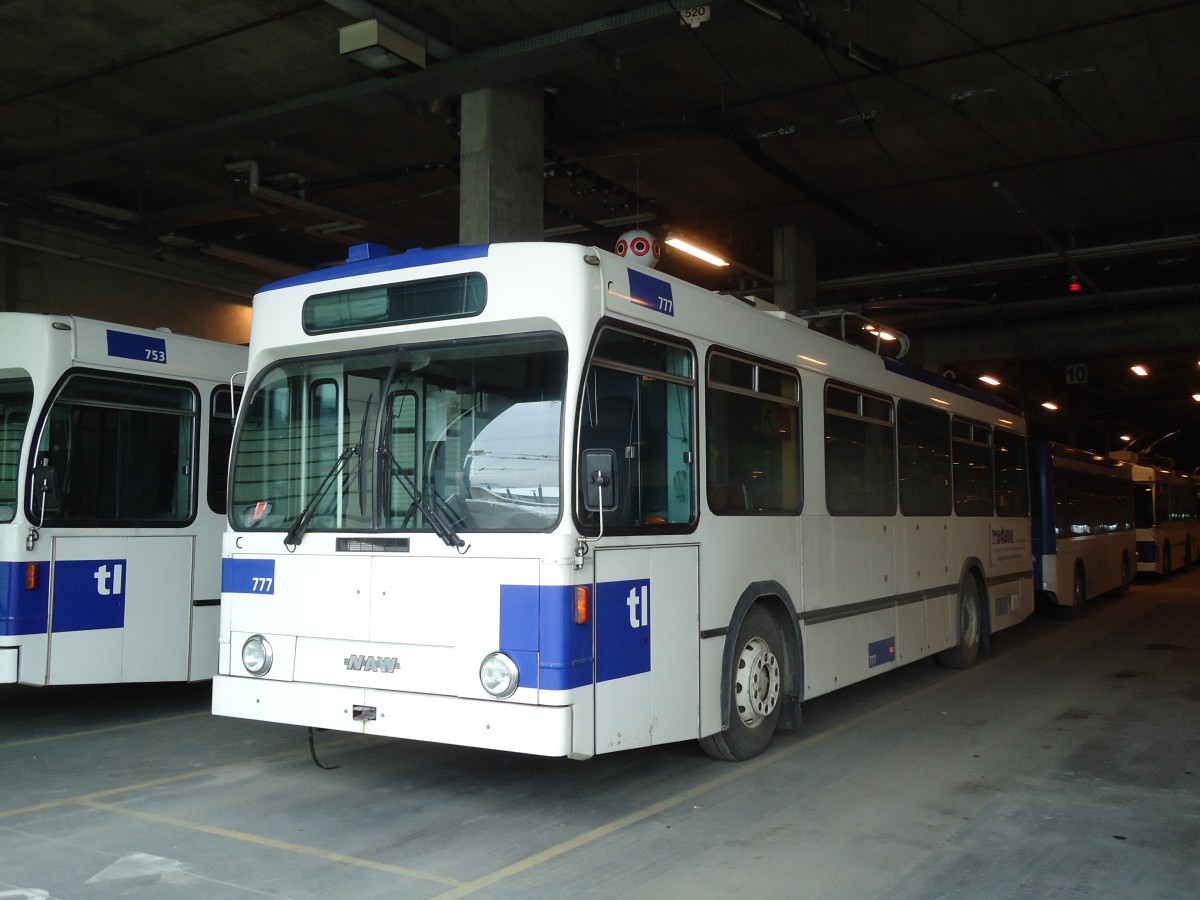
[990, 379]
[693, 250]
[377, 47]
[1139, 370]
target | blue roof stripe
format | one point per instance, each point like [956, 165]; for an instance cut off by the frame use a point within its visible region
[406, 260]
[894, 365]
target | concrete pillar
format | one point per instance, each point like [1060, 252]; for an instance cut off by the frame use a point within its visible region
[795, 269]
[501, 190]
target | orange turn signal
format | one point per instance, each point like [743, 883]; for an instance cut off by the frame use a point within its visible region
[31, 579]
[583, 604]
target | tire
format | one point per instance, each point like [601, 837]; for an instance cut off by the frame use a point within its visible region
[755, 690]
[963, 654]
[1078, 597]
[1126, 571]
[1166, 558]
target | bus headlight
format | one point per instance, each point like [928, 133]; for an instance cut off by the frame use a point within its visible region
[257, 655]
[498, 675]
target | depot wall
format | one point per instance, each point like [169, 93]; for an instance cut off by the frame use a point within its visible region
[44, 270]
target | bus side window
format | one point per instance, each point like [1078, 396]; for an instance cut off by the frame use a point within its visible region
[637, 402]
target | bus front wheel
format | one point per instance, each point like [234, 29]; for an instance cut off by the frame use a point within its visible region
[755, 690]
[963, 654]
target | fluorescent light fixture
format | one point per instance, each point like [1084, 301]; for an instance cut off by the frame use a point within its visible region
[693, 250]
[1196, 397]
[1125, 437]
[377, 47]
[990, 379]
[1050, 405]
[1139, 370]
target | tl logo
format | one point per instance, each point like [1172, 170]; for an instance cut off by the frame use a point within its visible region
[638, 602]
[110, 582]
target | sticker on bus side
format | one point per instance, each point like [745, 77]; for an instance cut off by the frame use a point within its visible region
[650, 292]
[880, 652]
[248, 576]
[141, 347]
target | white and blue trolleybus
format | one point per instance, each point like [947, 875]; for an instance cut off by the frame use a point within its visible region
[114, 451]
[536, 498]
[1167, 515]
[1084, 543]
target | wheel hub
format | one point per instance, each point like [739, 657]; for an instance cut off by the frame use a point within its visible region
[758, 682]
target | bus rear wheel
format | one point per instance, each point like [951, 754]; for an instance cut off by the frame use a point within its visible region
[963, 654]
[755, 690]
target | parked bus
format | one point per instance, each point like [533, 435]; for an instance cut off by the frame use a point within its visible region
[1167, 516]
[1084, 543]
[531, 497]
[114, 453]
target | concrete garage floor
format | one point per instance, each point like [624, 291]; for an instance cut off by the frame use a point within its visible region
[1065, 764]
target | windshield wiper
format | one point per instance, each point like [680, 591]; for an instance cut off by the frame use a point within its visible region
[429, 507]
[296, 532]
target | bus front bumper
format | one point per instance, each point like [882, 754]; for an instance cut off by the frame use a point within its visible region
[487, 724]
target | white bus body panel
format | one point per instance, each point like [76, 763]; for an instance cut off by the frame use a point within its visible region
[146, 581]
[661, 609]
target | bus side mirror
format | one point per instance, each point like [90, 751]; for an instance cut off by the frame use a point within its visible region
[599, 480]
[45, 489]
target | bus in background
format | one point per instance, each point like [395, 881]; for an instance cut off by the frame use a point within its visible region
[532, 497]
[1084, 543]
[1166, 513]
[114, 449]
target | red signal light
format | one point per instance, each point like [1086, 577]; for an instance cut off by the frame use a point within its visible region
[1074, 286]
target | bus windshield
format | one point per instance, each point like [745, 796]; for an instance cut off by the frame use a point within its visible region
[442, 438]
[16, 399]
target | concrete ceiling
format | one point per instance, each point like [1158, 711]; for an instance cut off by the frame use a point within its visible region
[956, 162]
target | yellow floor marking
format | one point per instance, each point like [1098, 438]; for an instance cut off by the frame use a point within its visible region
[737, 772]
[5, 745]
[247, 837]
[158, 782]
[463, 889]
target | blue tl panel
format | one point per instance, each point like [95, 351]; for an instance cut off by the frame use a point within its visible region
[89, 594]
[880, 652]
[123, 345]
[622, 628]
[23, 611]
[650, 292]
[247, 576]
